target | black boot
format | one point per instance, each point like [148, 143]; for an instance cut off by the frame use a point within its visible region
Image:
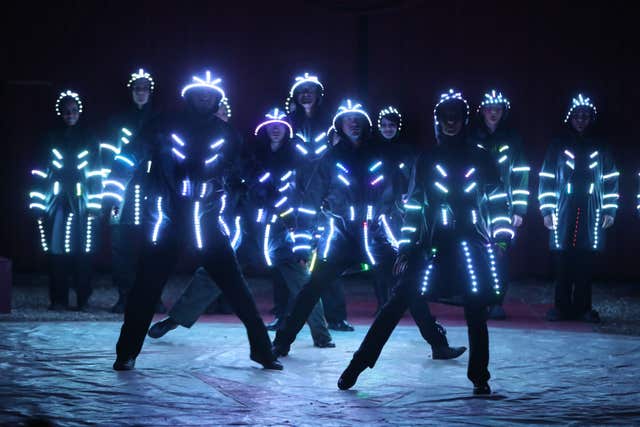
[324, 344]
[160, 329]
[122, 364]
[279, 349]
[342, 325]
[445, 352]
[481, 389]
[350, 375]
[271, 363]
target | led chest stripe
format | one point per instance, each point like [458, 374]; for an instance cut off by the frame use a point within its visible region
[264, 177]
[156, 228]
[125, 160]
[37, 195]
[365, 227]
[37, 206]
[494, 273]
[136, 205]
[307, 211]
[610, 175]
[260, 215]
[344, 180]
[87, 247]
[196, 224]
[320, 149]
[217, 144]
[211, 159]
[265, 245]
[43, 237]
[441, 171]
[237, 233]
[352, 213]
[225, 227]
[375, 166]
[441, 187]
[56, 188]
[426, 277]
[178, 153]
[596, 229]
[56, 153]
[39, 173]
[470, 172]
[470, 187]
[377, 180]
[303, 150]
[301, 248]
[67, 233]
[113, 182]
[369, 212]
[286, 176]
[546, 175]
[470, 269]
[445, 220]
[332, 230]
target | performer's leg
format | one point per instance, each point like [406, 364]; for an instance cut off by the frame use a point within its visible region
[82, 268]
[124, 256]
[221, 264]
[296, 276]
[582, 298]
[155, 265]
[478, 370]
[335, 306]
[196, 297]
[563, 285]
[58, 287]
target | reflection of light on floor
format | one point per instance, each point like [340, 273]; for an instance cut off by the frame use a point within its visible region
[204, 376]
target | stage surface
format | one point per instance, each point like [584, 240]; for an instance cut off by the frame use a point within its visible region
[203, 376]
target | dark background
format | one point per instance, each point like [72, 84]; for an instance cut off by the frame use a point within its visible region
[383, 52]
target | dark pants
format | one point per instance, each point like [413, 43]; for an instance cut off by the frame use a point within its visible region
[282, 299]
[574, 275]
[76, 267]
[404, 296]
[219, 261]
[327, 272]
[125, 248]
[334, 301]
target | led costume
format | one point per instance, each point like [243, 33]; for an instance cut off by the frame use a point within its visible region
[505, 145]
[578, 195]
[446, 252]
[65, 199]
[196, 166]
[124, 188]
[357, 202]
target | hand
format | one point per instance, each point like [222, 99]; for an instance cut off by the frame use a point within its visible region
[548, 222]
[607, 221]
[400, 265]
[516, 221]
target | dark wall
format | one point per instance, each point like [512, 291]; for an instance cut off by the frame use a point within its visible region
[398, 52]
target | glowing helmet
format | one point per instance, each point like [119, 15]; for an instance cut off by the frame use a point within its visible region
[349, 107]
[390, 113]
[451, 97]
[68, 94]
[299, 81]
[141, 74]
[206, 82]
[580, 101]
[494, 98]
[274, 116]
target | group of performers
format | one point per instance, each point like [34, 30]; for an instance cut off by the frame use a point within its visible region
[316, 194]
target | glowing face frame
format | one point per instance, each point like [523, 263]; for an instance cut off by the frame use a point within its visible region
[350, 107]
[274, 116]
[580, 101]
[207, 83]
[450, 96]
[141, 74]
[494, 98]
[68, 94]
[390, 111]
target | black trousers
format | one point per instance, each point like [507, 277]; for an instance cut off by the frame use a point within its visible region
[334, 301]
[326, 272]
[404, 296]
[125, 250]
[74, 267]
[154, 268]
[574, 276]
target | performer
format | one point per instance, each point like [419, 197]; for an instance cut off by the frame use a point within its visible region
[495, 133]
[578, 196]
[65, 200]
[444, 231]
[355, 191]
[123, 206]
[196, 170]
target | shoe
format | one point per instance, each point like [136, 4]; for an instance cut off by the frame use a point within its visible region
[591, 316]
[57, 306]
[324, 344]
[124, 364]
[555, 315]
[350, 376]
[280, 350]
[118, 307]
[160, 308]
[496, 312]
[275, 324]
[481, 389]
[445, 352]
[342, 325]
[160, 329]
[272, 364]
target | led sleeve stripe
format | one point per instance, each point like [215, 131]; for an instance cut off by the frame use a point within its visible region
[365, 227]
[286, 176]
[307, 211]
[342, 168]
[442, 171]
[99, 173]
[499, 231]
[412, 207]
[409, 229]
[344, 180]
[375, 166]
[469, 172]
[83, 164]
[211, 159]
[125, 160]
[521, 169]
[196, 224]
[114, 183]
[319, 137]
[548, 206]
[570, 164]
[332, 230]
[501, 218]
[177, 139]
[281, 202]
[570, 154]
[611, 175]
[107, 195]
[502, 159]
[546, 175]
[284, 187]
[320, 149]
[305, 236]
[503, 148]
[520, 202]
[377, 180]
[498, 196]
[37, 206]
[92, 205]
[178, 153]
[57, 154]
[352, 213]
[610, 206]
[260, 215]
[37, 195]
[547, 194]
[126, 131]
[403, 242]
[470, 187]
[224, 225]
[301, 248]
[84, 154]
[217, 144]
[389, 233]
[441, 187]
[124, 140]
[285, 213]
[156, 228]
[522, 192]
[265, 245]
[264, 177]
[57, 164]
[594, 154]
[303, 150]
[237, 233]
[39, 173]
[611, 196]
